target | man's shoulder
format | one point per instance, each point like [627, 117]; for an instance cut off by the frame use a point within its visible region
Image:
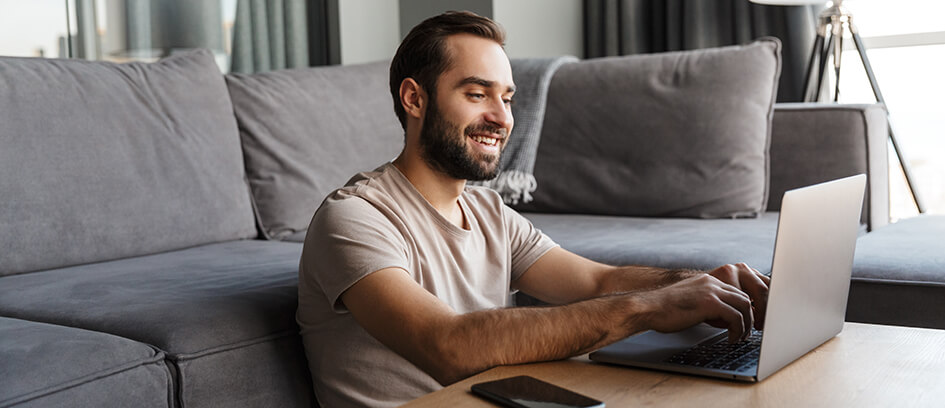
[348, 215]
[364, 186]
[365, 181]
[342, 201]
[360, 197]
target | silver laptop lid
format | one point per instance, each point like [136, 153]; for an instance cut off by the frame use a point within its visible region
[813, 261]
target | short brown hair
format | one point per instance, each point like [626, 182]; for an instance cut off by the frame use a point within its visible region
[423, 55]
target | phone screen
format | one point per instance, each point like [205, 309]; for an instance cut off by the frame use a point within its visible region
[528, 392]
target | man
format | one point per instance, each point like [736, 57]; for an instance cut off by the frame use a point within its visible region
[406, 271]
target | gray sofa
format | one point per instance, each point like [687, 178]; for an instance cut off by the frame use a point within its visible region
[152, 216]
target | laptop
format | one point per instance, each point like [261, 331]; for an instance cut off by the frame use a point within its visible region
[807, 297]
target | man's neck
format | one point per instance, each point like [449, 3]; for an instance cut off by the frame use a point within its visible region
[440, 190]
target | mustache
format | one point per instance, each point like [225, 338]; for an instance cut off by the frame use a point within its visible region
[486, 128]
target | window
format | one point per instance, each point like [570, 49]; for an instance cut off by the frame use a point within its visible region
[244, 35]
[33, 29]
[905, 43]
[117, 31]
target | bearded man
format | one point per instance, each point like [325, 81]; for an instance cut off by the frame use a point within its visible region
[406, 271]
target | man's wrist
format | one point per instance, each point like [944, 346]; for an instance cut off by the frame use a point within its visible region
[671, 276]
[639, 310]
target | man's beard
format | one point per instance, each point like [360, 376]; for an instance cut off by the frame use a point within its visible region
[442, 146]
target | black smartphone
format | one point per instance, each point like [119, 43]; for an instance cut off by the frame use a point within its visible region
[529, 392]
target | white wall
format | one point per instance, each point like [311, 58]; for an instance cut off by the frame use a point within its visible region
[369, 30]
[541, 28]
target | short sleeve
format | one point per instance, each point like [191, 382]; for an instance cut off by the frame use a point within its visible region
[528, 243]
[347, 240]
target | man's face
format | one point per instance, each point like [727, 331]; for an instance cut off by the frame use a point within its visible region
[468, 118]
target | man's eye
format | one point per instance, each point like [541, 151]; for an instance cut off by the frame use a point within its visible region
[476, 95]
[508, 101]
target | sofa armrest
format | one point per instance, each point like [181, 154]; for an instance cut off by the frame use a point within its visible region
[816, 142]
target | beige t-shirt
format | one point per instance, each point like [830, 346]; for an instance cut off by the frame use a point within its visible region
[379, 220]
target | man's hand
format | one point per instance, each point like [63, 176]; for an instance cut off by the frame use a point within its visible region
[730, 296]
[749, 281]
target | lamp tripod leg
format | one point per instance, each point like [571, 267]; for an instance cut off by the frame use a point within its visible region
[815, 53]
[822, 72]
[903, 163]
[837, 60]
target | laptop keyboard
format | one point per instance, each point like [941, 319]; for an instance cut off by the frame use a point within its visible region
[720, 354]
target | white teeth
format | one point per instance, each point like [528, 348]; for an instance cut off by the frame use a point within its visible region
[491, 141]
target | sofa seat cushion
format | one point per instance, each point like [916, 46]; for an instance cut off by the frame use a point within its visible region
[105, 161]
[45, 365]
[223, 313]
[664, 242]
[899, 274]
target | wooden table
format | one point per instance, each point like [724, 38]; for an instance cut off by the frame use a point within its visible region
[866, 365]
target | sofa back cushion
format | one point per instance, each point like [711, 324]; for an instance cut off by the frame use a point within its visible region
[306, 131]
[675, 134]
[102, 161]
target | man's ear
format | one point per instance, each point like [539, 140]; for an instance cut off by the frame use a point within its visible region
[412, 98]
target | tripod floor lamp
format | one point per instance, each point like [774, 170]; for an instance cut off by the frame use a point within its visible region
[832, 24]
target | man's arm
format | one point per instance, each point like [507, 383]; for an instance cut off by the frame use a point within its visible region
[451, 346]
[561, 277]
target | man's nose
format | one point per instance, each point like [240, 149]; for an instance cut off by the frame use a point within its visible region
[500, 115]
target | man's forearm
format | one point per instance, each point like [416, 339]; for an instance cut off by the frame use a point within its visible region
[561, 277]
[477, 341]
[480, 340]
[632, 278]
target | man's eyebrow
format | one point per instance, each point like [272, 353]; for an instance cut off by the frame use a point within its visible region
[474, 80]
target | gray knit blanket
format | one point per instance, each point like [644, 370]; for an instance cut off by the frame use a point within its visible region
[532, 76]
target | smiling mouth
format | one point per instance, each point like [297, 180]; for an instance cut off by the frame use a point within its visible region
[486, 140]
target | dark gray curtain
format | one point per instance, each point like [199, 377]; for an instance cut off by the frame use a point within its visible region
[269, 35]
[624, 27]
[145, 29]
[266, 34]
[85, 43]
[158, 27]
